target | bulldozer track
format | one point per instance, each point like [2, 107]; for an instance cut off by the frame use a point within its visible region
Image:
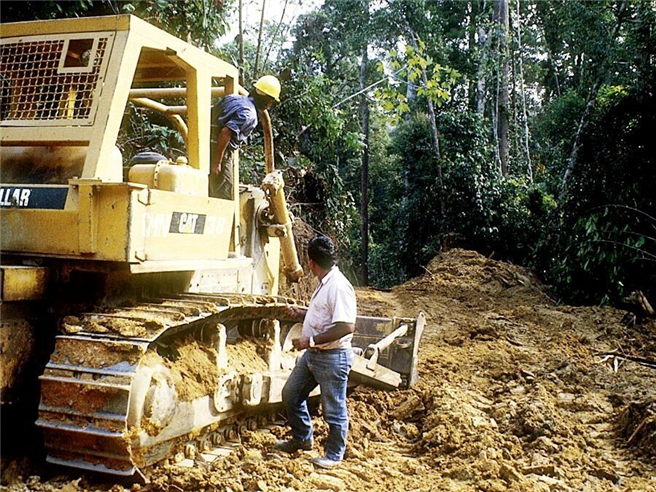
[95, 385]
[222, 442]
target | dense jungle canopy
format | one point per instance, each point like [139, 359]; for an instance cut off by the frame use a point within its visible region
[522, 129]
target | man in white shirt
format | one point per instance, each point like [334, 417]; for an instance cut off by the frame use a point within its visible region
[327, 332]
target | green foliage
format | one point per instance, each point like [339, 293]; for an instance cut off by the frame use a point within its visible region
[200, 21]
[441, 78]
[554, 129]
[610, 203]
[589, 77]
[144, 129]
[570, 49]
[607, 256]
[386, 214]
[52, 9]
[323, 136]
[483, 210]
[410, 68]
[319, 138]
[495, 214]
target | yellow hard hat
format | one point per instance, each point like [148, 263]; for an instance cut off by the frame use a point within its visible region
[268, 85]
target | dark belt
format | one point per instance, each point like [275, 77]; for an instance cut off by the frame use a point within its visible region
[316, 350]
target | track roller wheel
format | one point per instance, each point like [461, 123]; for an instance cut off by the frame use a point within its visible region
[231, 433]
[205, 444]
[263, 420]
[217, 438]
[190, 451]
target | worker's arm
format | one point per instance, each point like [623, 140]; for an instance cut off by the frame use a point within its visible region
[224, 139]
[336, 332]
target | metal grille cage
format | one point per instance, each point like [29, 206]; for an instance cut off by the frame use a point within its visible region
[50, 80]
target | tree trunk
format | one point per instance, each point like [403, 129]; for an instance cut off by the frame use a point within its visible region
[571, 160]
[273, 37]
[410, 95]
[501, 19]
[364, 181]
[471, 43]
[436, 142]
[259, 42]
[241, 42]
[480, 76]
[529, 167]
[432, 120]
[513, 124]
[494, 110]
[592, 99]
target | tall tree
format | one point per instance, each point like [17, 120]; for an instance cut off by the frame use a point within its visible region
[241, 42]
[518, 20]
[478, 41]
[364, 181]
[274, 35]
[256, 68]
[502, 106]
[414, 38]
[602, 67]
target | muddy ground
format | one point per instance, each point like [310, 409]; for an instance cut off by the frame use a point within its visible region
[514, 395]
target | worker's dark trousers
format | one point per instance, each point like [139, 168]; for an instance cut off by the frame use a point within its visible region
[221, 185]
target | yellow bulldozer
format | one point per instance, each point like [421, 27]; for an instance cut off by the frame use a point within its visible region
[156, 305]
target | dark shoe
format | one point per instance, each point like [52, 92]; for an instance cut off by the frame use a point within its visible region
[293, 445]
[325, 462]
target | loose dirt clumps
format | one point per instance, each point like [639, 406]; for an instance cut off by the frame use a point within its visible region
[103, 353]
[18, 340]
[245, 356]
[513, 395]
[193, 368]
[124, 327]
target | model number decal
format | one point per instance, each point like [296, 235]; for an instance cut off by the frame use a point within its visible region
[184, 223]
[162, 224]
[46, 198]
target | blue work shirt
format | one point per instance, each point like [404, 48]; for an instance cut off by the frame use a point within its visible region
[239, 114]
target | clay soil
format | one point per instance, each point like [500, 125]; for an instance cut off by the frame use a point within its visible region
[513, 395]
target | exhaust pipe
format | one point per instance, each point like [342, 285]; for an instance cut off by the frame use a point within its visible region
[274, 186]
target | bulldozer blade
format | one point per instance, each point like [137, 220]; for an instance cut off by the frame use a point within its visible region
[379, 377]
[394, 364]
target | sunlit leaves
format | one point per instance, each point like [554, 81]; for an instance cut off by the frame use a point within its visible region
[414, 66]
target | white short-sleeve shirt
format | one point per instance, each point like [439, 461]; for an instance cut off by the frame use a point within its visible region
[333, 302]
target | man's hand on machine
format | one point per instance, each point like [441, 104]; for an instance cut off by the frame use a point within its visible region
[301, 343]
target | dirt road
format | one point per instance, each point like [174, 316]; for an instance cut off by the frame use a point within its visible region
[512, 396]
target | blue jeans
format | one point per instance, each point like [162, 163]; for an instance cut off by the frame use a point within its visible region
[330, 370]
